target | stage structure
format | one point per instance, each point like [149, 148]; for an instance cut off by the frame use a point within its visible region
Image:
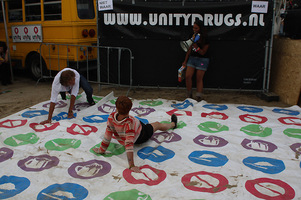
[240, 34]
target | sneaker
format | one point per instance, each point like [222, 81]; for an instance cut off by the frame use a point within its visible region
[198, 99]
[174, 119]
[92, 103]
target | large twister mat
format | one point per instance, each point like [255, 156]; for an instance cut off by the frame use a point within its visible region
[217, 152]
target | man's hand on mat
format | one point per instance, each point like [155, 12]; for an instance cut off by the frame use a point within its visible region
[136, 169]
[45, 122]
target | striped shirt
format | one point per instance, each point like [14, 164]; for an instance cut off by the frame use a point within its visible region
[125, 131]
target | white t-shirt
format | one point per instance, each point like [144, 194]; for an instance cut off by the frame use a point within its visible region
[57, 87]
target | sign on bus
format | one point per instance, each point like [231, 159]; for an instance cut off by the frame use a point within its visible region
[27, 33]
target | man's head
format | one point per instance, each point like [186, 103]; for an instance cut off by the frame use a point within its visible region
[67, 78]
[123, 105]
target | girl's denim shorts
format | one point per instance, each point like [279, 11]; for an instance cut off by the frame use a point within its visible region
[198, 63]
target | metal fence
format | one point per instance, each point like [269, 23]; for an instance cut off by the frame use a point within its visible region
[99, 64]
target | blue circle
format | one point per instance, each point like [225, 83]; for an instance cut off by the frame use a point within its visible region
[286, 111]
[62, 116]
[78, 192]
[161, 155]
[95, 118]
[215, 159]
[145, 121]
[216, 107]
[34, 113]
[274, 166]
[182, 105]
[250, 109]
[20, 183]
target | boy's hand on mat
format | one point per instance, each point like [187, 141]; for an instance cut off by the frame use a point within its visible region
[45, 122]
[97, 150]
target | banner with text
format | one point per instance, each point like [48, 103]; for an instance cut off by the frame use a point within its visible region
[245, 20]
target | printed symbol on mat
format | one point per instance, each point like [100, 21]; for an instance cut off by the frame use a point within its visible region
[38, 163]
[256, 130]
[212, 127]
[76, 129]
[46, 127]
[216, 107]
[151, 103]
[256, 119]
[144, 121]
[179, 112]
[182, 105]
[77, 97]
[295, 147]
[5, 154]
[286, 111]
[9, 123]
[107, 109]
[205, 182]
[90, 169]
[81, 106]
[62, 116]
[156, 154]
[112, 150]
[250, 109]
[62, 144]
[293, 132]
[128, 194]
[265, 165]
[34, 113]
[215, 115]
[208, 158]
[143, 111]
[258, 145]
[10, 186]
[290, 121]
[149, 176]
[64, 191]
[166, 137]
[59, 104]
[210, 141]
[96, 118]
[21, 139]
[272, 189]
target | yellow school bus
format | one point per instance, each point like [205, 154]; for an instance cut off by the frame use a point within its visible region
[52, 30]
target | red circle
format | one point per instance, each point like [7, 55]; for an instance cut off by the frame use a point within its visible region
[290, 120]
[36, 30]
[223, 182]
[288, 194]
[256, 119]
[25, 30]
[16, 30]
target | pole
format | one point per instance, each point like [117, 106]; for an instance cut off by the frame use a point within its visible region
[98, 58]
[7, 41]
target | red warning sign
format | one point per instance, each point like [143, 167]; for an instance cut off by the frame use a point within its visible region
[275, 189]
[76, 129]
[46, 127]
[9, 123]
[256, 119]
[179, 112]
[215, 115]
[205, 182]
[290, 121]
[149, 176]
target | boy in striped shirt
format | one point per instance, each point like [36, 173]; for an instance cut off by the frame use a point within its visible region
[128, 130]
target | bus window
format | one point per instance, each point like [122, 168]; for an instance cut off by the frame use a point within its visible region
[85, 9]
[52, 10]
[15, 11]
[33, 10]
[1, 13]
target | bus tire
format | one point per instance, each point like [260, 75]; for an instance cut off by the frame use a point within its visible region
[35, 68]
